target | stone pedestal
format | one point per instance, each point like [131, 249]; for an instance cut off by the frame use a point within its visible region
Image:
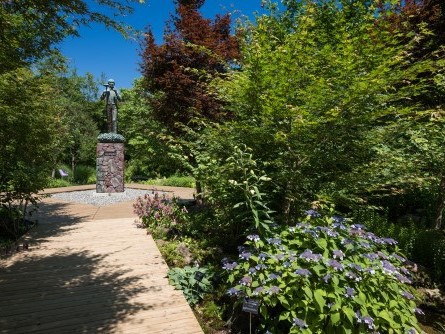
[110, 167]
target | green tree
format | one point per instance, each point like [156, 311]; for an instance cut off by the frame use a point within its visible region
[30, 29]
[321, 90]
[31, 123]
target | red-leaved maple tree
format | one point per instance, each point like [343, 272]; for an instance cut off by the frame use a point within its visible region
[177, 73]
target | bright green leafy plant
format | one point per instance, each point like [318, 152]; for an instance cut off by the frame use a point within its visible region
[326, 275]
[195, 282]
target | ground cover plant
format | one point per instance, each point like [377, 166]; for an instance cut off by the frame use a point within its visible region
[326, 274]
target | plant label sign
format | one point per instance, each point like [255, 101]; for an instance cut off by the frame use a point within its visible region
[199, 276]
[251, 305]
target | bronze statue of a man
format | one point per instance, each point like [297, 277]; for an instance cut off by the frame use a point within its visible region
[112, 97]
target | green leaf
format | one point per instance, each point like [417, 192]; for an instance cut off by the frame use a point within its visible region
[319, 299]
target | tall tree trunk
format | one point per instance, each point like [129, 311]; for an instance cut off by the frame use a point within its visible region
[440, 204]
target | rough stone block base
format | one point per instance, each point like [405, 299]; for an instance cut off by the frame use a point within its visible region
[110, 167]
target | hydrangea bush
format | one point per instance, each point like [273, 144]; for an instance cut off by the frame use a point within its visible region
[325, 275]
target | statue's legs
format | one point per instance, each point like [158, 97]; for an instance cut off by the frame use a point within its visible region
[114, 118]
[109, 118]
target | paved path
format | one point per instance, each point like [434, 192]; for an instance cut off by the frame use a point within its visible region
[90, 270]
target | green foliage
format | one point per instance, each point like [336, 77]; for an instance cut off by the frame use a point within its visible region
[325, 275]
[195, 282]
[147, 142]
[173, 181]
[423, 246]
[85, 174]
[326, 102]
[58, 183]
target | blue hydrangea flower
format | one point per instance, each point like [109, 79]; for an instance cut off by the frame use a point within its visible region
[303, 272]
[309, 256]
[246, 280]
[402, 278]
[273, 276]
[254, 237]
[419, 311]
[313, 213]
[388, 267]
[262, 256]
[233, 292]
[326, 278]
[398, 257]
[260, 266]
[336, 265]
[230, 266]
[252, 270]
[353, 276]
[371, 256]
[368, 321]
[350, 292]
[338, 219]
[274, 241]
[279, 257]
[389, 241]
[300, 323]
[273, 290]
[245, 255]
[338, 254]
[407, 295]
[258, 290]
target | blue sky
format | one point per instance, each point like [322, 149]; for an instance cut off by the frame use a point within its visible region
[105, 52]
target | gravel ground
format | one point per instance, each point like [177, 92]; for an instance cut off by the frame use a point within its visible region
[91, 197]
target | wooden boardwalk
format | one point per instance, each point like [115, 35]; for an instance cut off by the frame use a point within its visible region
[85, 272]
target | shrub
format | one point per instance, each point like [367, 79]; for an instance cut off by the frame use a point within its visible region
[158, 214]
[194, 282]
[325, 275]
[84, 174]
[173, 181]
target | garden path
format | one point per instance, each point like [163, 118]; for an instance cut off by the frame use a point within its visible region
[90, 270]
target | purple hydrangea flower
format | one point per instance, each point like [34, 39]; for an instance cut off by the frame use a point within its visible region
[382, 255]
[303, 272]
[273, 276]
[252, 270]
[246, 280]
[274, 241]
[402, 278]
[230, 266]
[368, 321]
[407, 295]
[262, 256]
[350, 292]
[260, 266]
[412, 331]
[233, 292]
[286, 264]
[398, 257]
[300, 323]
[358, 226]
[254, 237]
[273, 290]
[338, 254]
[336, 265]
[313, 213]
[419, 311]
[258, 290]
[388, 267]
[338, 219]
[371, 256]
[339, 226]
[326, 278]
[245, 255]
[353, 276]
[309, 256]
[389, 241]
[302, 226]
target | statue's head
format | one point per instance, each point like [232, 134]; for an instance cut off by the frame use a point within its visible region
[111, 83]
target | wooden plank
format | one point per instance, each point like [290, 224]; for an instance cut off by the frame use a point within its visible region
[102, 276]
